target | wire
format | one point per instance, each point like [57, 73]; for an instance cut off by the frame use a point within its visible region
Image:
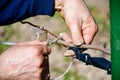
[59, 77]
[8, 43]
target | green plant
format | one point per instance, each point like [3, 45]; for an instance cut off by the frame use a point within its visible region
[9, 32]
[3, 48]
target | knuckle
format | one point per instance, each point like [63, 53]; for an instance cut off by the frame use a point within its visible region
[41, 50]
[36, 50]
[46, 50]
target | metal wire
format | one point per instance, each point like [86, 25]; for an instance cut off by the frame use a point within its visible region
[8, 43]
[62, 75]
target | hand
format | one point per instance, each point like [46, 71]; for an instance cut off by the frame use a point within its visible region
[79, 20]
[24, 61]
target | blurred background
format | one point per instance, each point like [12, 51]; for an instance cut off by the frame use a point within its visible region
[58, 63]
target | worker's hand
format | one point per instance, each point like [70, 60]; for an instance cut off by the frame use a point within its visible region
[24, 61]
[79, 20]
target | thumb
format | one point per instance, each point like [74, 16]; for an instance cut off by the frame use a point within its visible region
[69, 53]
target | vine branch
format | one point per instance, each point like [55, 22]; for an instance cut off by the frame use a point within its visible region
[66, 44]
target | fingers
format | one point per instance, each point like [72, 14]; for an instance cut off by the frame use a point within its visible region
[69, 53]
[89, 30]
[89, 35]
[83, 32]
[65, 37]
[76, 33]
[38, 47]
[77, 37]
[45, 50]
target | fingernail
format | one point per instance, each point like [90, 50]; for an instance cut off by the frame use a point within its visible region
[78, 43]
[69, 53]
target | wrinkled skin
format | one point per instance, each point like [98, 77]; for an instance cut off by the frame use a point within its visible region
[24, 61]
[80, 22]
